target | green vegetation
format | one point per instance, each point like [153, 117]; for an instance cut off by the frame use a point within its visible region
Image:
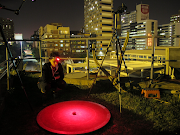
[165, 116]
[137, 112]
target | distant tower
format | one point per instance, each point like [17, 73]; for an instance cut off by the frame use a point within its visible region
[50, 33]
[138, 24]
[142, 12]
[98, 19]
[8, 28]
[175, 18]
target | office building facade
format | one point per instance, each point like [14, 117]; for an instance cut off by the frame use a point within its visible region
[138, 24]
[78, 46]
[51, 35]
[8, 28]
[141, 28]
[175, 18]
[98, 19]
[169, 30]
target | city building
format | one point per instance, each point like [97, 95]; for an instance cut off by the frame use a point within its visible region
[8, 28]
[141, 28]
[51, 35]
[169, 30]
[98, 19]
[35, 37]
[138, 24]
[78, 46]
[175, 18]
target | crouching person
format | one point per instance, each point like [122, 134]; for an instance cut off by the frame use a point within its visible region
[52, 76]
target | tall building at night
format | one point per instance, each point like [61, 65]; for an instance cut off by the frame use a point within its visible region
[175, 18]
[170, 29]
[78, 46]
[138, 24]
[98, 19]
[8, 28]
[50, 34]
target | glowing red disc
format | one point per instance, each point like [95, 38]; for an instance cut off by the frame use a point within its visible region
[73, 117]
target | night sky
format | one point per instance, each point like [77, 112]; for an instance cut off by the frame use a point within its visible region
[71, 12]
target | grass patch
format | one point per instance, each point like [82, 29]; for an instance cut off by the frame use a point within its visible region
[166, 117]
[139, 115]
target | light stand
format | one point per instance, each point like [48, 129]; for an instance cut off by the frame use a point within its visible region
[9, 51]
[119, 11]
[115, 81]
[14, 65]
[15, 11]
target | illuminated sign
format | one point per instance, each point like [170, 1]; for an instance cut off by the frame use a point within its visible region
[144, 12]
[144, 9]
[149, 40]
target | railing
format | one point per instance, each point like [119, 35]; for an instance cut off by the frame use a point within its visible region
[140, 57]
[4, 71]
[128, 56]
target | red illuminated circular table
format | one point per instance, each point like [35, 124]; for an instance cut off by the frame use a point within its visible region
[73, 117]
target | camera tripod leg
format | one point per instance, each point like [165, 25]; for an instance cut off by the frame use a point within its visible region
[14, 65]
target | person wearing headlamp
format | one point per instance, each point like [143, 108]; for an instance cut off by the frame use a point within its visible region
[52, 75]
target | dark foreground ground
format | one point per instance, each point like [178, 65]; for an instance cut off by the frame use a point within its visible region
[19, 119]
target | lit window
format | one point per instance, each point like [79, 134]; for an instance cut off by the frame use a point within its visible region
[67, 45]
[50, 36]
[149, 40]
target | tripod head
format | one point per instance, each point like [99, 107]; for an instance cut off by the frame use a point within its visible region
[15, 11]
[121, 9]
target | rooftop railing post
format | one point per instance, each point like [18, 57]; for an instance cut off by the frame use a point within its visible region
[152, 61]
[40, 55]
[8, 72]
[118, 65]
[87, 58]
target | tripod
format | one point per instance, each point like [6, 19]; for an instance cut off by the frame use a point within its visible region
[10, 56]
[116, 80]
[14, 65]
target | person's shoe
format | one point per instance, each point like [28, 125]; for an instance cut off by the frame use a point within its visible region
[55, 94]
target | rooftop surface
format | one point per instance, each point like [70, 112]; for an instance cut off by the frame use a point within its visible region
[18, 118]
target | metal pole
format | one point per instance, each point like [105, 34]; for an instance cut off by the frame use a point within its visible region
[118, 63]
[152, 61]
[14, 65]
[40, 55]
[87, 58]
[21, 50]
[8, 72]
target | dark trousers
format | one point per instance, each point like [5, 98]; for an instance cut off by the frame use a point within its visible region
[55, 85]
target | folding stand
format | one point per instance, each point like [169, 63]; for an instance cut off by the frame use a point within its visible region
[9, 51]
[115, 81]
[14, 65]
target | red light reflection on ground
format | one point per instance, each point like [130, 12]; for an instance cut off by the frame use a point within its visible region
[73, 117]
